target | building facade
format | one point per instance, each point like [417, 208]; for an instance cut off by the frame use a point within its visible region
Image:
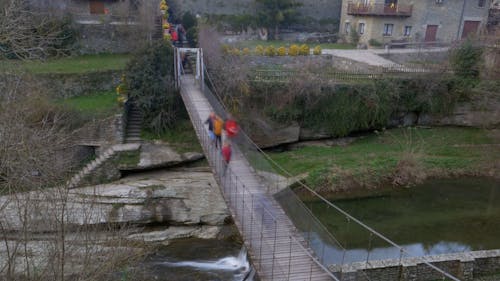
[389, 21]
[110, 26]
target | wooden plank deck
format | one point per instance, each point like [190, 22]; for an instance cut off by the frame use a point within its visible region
[276, 248]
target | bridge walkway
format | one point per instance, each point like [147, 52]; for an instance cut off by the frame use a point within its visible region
[276, 248]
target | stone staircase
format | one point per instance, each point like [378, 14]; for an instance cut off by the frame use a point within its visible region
[103, 157]
[134, 125]
[158, 29]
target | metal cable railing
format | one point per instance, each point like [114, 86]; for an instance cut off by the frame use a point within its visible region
[329, 250]
[265, 231]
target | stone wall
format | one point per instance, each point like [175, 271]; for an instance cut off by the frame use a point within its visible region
[317, 9]
[101, 132]
[108, 38]
[466, 266]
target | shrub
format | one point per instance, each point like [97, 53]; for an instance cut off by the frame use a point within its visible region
[317, 50]
[246, 51]
[188, 20]
[294, 50]
[304, 50]
[149, 79]
[270, 51]
[235, 51]
[374, 43]
[259, 50]
[192, 36]
[282, 51]
[466, 59]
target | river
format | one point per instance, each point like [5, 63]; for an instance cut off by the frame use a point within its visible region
[437, 217]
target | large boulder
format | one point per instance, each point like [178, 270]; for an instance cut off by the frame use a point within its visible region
[268, 133]
[166, 198]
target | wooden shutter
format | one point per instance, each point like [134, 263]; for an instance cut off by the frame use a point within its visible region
[96, 7]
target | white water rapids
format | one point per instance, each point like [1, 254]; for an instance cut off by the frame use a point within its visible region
[239, 266]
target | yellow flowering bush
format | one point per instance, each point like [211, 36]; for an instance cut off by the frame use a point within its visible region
[304, 50]
[167, 37]
[270, 51]
[259, 50]
[281, 51]
[166, 25]
[121, 91]
[235, 51]
[246, 51]
[317, 50]
[293, 50]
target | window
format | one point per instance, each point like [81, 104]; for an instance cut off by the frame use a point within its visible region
[388, 29]
[347, 27]
[480, 3]
[407, 30]
[97, 7]
[361, 28]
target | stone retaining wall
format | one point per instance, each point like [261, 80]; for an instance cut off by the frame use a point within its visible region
[465, 266]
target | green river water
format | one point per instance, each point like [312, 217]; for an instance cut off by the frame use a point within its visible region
[437, 217]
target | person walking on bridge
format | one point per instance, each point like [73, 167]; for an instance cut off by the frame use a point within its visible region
[218, 125]
[226, 155]
[231, 127]
[210, 122]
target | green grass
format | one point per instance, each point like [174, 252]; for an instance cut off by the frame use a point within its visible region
[376, 156]
[69, 65]
[251, 44]
[182, 137]
[101, 104]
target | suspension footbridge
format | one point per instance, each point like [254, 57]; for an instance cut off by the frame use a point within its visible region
[277, 248]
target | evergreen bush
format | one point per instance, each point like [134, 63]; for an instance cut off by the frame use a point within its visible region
[149, 79]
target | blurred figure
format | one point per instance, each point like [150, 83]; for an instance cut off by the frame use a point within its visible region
[210, 121]
[226, 155]
[231, 127]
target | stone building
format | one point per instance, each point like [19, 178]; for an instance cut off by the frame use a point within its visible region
[112, 26]
[413, 20]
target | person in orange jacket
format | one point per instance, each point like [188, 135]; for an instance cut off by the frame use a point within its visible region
[218, 125]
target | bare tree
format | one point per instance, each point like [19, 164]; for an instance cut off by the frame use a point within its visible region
[229, 73]
[28, 33]
[48, 232]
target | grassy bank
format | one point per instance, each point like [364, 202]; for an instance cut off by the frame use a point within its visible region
[78, 64]
[182, 137]
[100, 104]
[399, 157]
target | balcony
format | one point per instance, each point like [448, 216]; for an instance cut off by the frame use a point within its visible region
[381, 10]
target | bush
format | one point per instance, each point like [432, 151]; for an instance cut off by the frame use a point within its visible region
[374, 43]
[294, 50]
[270, 51]
[305, 50]
[317, 50]
[192, 36]
[466, 60]
[235, 51]
[188, 20]
[246, 51]
[259, 50]
[149, 79]
[281, 51]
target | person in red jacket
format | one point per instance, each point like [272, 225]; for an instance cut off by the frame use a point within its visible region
[231, 127]
[226, 155]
